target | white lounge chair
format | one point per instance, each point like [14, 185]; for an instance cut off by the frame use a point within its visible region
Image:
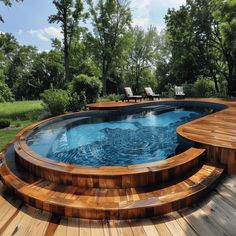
[150, 94]
[130, 96]
[179, 92]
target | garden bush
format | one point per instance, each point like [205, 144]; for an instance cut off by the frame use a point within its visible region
[76, 101]
[5, 93]
[92, 87]
[4, 123]
[203, 88]
[111, 97]
[55, 101]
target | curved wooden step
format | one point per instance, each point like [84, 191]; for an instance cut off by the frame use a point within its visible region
[111, 177]
[103, 203]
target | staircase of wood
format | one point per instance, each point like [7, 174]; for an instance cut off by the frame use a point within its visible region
[110, 192]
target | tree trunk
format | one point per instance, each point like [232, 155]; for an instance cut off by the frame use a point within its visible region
[66, 56]
[216, 84]
[104, 78]
[104, 85]
[137, 81]
[232, 86]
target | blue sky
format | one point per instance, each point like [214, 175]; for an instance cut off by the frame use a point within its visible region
[28, 21]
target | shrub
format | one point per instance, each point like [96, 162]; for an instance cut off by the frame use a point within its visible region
[203, 88]
[92, 86]
[55, 101]
[76, 101]
[5, 93]
[4, 123]
[111, 97]
[188, 89]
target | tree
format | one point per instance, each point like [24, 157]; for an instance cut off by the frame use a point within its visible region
[69, 13]
[111, 20]
[185, 55]
[143, 52]
[202, 38]
[225, 15]
[8, 3]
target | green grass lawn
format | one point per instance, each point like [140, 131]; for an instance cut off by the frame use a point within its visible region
[21, 114]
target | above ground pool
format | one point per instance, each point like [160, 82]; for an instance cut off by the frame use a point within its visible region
[147, 135]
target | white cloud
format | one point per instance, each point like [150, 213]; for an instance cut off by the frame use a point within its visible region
[20, 32]
[143, 11]
[47, 33]
[171, 3]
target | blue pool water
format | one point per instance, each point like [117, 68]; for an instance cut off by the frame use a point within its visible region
[133, 139]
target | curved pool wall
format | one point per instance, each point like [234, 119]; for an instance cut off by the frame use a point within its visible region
[126, 109]
[185, 144]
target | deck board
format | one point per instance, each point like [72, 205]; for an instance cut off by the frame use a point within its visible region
[214, 216]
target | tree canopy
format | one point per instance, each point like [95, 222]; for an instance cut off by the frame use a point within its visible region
[197, 49]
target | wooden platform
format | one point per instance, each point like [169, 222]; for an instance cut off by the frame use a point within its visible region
[141, 175]
[215, 216]
[215, 132]
[103, 203]
[133, 191]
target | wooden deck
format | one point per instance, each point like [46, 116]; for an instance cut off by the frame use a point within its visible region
[215, 216]
[215, 133]
[100, 192]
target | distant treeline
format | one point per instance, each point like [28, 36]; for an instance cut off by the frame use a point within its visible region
[197, 50]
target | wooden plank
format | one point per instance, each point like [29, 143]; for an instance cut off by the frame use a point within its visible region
[228, 195]
[137, 228]
[217, 207]
[62, 227]
[21, 224]
[40, 223]
[161, 227]
[96, 228]
[183, 224]
[9, 216]
[73, 227]
[202, 222]
[149, 228]
[109, 228]
[124, 229]
[85, 229]
[173, 225]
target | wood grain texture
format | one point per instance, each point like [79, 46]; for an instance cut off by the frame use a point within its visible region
[213, 216]
[106, 203]
[159, 172]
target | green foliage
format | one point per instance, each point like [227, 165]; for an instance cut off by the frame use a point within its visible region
[4, 123]
[111, 20]
[143, 52]
[55, 101]
[202, 36]
[69, 13]
[5, 93]
[188, 89]
[203, 88]
[90, 85]
[76, 101]
[111, 97]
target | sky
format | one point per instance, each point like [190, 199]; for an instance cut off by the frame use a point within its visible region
[28, 21]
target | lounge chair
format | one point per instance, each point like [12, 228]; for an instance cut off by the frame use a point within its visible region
[179, 92]
[150, 94]
[130, 96]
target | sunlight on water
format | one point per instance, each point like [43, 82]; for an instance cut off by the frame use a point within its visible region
[134, 139]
